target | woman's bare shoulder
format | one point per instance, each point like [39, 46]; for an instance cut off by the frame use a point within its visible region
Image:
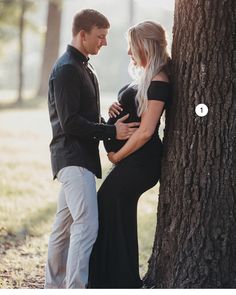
[161, 76]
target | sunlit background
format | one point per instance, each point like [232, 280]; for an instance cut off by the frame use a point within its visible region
[27, 193]
[111, 63]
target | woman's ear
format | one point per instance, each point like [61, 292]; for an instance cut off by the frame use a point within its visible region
[143, 57]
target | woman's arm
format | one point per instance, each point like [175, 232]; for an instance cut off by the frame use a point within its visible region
[149, 120]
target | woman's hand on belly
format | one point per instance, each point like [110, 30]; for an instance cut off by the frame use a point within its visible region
[114, 110]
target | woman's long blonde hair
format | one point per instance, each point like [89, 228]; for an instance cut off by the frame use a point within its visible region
[147, 42]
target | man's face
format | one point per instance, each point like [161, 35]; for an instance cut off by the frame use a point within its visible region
[94, 40]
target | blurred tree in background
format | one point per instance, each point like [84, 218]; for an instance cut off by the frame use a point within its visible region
[12, 25]
[23, 7]
[33, 34]
[52, 43]
[9, 16]
[131, 12]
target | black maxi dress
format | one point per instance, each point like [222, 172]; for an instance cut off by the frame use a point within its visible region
[114, 261]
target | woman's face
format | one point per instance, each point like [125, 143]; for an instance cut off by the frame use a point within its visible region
[131, 55]
[142, 58]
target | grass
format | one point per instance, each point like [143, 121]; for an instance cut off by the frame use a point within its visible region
[28, 196]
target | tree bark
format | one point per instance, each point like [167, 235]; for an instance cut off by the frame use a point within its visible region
[52, 42]
[195, 240]
[21, 50]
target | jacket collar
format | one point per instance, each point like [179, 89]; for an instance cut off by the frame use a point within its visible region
[77, 54]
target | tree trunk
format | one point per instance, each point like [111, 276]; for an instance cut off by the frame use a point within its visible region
[195, 240]
[21, 50]
[131, 12]
[52, 42]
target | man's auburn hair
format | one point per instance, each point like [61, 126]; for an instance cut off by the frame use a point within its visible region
[86, 19]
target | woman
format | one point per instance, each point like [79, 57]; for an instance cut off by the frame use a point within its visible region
[114, 261]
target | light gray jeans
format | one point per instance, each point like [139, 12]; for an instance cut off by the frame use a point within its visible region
[74, 230]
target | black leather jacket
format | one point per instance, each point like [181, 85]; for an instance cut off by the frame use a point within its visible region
[74, 110]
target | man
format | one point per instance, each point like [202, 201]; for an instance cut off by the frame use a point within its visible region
[77, 128]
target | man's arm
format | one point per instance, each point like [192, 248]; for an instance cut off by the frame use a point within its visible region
[67, 92]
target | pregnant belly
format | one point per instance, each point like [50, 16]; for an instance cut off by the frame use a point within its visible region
[114, 145]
